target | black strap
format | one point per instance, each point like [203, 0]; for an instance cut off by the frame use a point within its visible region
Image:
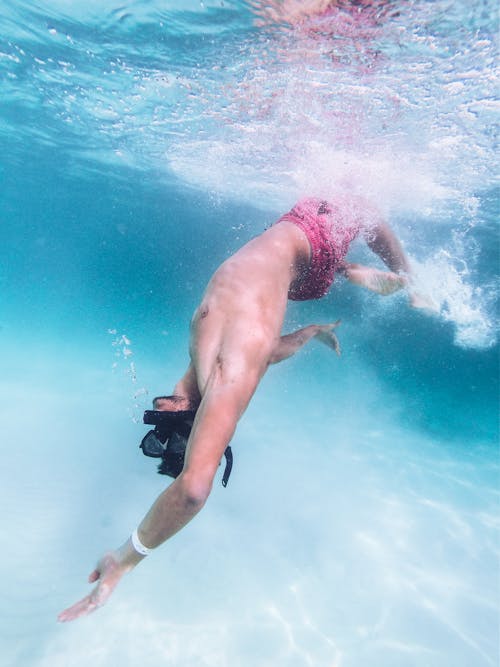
[229, 466]
[181, 423]
[157, 417]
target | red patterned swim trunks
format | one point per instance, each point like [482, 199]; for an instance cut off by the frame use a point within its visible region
[330, 227]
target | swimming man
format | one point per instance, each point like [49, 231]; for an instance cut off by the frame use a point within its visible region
[235, 336]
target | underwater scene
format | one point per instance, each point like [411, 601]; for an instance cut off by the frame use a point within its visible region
[144, 142]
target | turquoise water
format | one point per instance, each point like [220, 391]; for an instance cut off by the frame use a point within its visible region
[142, 143]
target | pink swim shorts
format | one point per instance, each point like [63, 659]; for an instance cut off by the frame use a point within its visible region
[329, 232]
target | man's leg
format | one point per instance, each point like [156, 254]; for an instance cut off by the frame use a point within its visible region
[384, 243]
[289, 344]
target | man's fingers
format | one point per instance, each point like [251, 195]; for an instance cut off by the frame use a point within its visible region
[82, 608]
[88, 604]
[107, 574]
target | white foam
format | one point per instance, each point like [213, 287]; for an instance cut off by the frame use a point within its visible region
[446, 281]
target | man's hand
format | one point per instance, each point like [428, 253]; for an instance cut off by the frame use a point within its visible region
[107, 573]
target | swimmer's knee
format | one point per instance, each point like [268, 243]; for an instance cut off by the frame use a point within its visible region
[195, 487]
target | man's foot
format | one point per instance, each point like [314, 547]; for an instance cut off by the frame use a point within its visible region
[325, 335]
[383, 282]
[423, 302]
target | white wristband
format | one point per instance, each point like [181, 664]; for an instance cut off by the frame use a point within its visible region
[138, 545]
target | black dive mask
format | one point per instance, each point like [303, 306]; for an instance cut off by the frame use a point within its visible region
[169, 438]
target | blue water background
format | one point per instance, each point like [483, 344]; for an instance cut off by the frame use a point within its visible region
[141, 145]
